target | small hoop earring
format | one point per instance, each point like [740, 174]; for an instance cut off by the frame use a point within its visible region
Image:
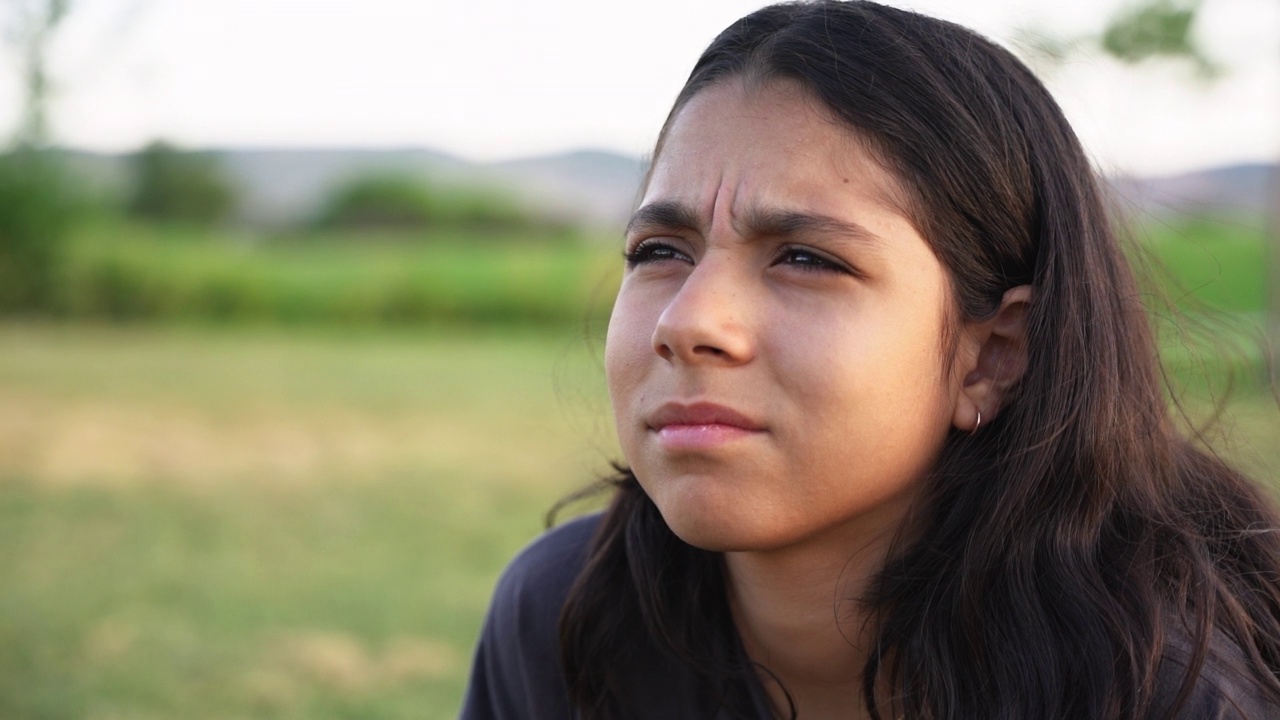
[979, 423]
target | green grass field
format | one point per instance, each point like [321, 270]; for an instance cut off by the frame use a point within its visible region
[1207, 262]
[222, 524]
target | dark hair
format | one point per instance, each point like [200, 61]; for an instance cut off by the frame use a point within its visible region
[1067, 551]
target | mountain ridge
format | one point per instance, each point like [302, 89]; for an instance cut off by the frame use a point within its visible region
[281, 186]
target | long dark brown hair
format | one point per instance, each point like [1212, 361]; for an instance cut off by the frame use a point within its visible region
[1064, 553]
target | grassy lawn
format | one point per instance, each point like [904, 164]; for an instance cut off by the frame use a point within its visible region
[212, 524]
[1207, 262]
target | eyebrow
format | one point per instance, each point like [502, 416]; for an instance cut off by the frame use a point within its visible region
[663, 215]
[675, 216]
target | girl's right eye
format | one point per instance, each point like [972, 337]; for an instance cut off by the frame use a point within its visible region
[651, 251]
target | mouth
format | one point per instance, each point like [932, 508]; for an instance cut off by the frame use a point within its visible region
[696, 426]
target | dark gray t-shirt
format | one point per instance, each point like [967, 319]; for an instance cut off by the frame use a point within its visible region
[516, 670]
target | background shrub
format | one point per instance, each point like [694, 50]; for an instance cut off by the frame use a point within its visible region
[169, 184]
[36, 215]
[403, 201]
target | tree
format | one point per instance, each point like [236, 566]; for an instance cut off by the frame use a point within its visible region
[34, 196]
[388, 199]
[30, 28]
[1160, 28]
[170, 184]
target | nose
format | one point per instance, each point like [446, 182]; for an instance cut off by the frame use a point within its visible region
[707, 320]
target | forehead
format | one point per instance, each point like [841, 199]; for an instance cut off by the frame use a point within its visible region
[772, 142]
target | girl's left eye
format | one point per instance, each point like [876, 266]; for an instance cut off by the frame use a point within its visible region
[809, 260]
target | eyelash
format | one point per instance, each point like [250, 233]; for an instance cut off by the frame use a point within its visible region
[647, 251]
[818, 262]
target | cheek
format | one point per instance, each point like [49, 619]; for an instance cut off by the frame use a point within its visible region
[627, 346]
[869, 369]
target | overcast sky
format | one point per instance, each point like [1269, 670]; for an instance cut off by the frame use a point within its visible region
[509, 78]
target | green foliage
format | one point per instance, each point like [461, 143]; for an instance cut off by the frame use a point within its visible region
[1155, 28]
[170, 184]
[134, 272]
[36, 214]
[36, 208]
[390, 200]
[380, 200]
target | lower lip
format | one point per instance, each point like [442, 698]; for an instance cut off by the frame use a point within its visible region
[700, 437]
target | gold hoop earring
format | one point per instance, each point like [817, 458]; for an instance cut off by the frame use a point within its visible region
[978, 424]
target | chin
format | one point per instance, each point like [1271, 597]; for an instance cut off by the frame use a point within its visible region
[705, 536]
[717, 530]
[713, 512]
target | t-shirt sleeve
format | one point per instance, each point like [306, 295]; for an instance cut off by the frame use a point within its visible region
[515, 673]
[1211, 700]
[1224, 690]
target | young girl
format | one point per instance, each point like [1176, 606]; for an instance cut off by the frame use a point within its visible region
[895, 435]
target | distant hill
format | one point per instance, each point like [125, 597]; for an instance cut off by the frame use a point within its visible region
[285, 186]
[288, 186]
[1232, 189]
[602, 186]
[593, 187]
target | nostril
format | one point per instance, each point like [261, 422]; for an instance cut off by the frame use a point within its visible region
[700, 326]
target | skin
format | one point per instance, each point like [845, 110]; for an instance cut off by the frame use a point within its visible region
[771, 272]
[829, 341]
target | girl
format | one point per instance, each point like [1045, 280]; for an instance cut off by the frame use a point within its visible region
[895, 435]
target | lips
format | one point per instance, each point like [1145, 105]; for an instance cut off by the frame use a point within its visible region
[700, 426]
[701, 414]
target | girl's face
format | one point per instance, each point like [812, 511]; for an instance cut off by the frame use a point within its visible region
[776, 352]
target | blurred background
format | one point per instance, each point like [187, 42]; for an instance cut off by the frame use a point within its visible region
[302, 304]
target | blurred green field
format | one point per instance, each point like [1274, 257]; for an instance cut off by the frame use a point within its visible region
[221, 524]
[295, 506]
[1206, 262]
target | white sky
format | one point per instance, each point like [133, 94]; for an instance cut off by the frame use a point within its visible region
[507, 78]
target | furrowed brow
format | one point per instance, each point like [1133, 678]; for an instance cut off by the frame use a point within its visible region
[663, 216]
[780, 223]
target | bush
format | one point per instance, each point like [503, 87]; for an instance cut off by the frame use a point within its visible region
[36, 214]
[387, 200]
[138, 272]
[170, 184]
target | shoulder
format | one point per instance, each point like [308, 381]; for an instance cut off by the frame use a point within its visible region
[1224, 689]
[516, 669]
[542, 573]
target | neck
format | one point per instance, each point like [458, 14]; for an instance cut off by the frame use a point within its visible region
[799, 614]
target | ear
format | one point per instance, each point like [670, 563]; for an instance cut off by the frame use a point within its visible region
[995, 360]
